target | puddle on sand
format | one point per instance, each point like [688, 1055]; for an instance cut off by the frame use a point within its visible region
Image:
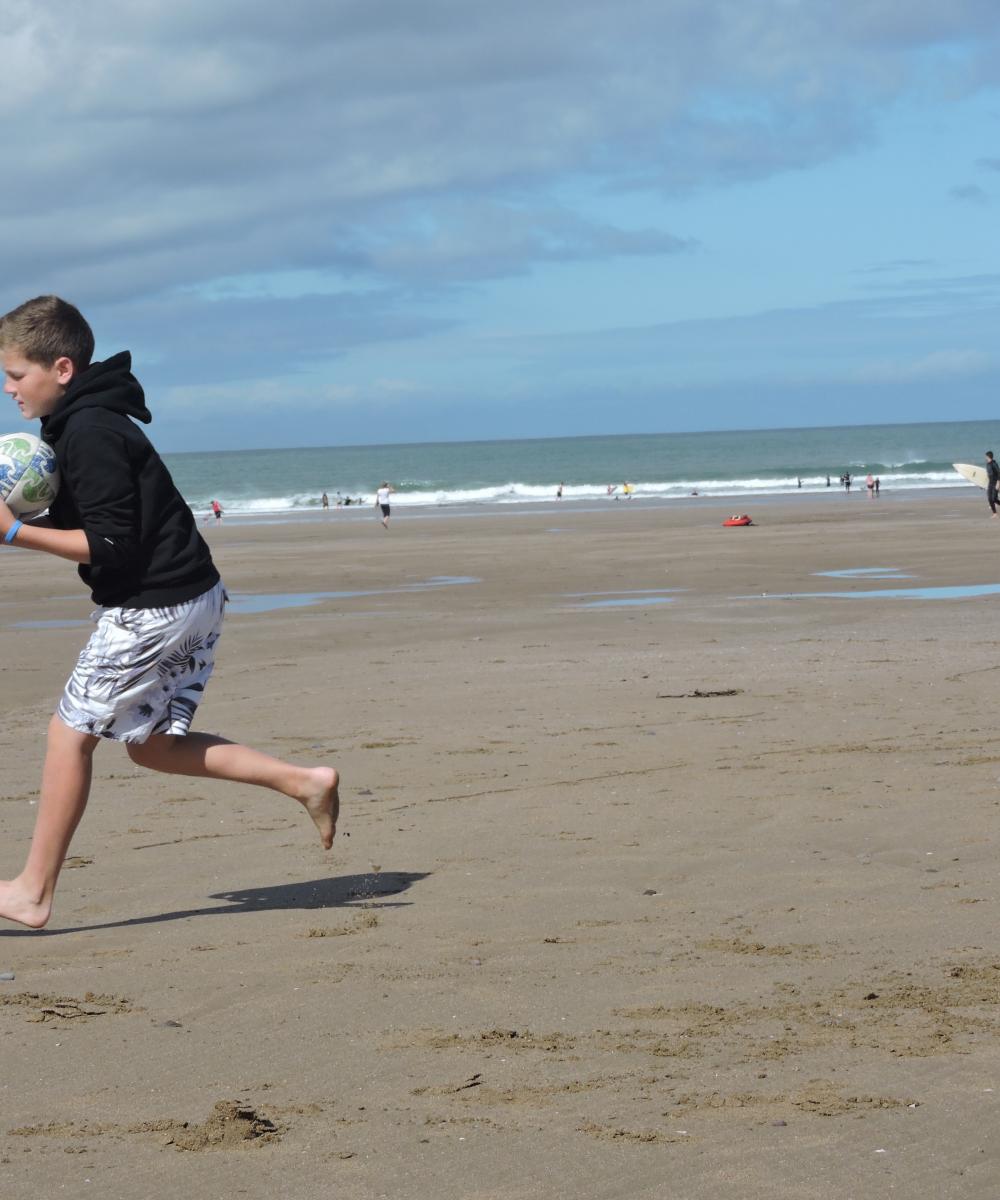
[627, 602]
[924, 593]
[866, 573]
[626, 598]
[631, 602]
[250, 602]
[67, 624]
[623, 592]
[259, 602]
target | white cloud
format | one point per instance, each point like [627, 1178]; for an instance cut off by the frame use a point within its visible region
[481, 239]
[150, 144]
[938, 365]
[219, 183]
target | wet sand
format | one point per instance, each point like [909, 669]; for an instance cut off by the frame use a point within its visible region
[689, 896]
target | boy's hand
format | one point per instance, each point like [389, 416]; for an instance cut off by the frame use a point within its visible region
[40, 534]
[7, 518]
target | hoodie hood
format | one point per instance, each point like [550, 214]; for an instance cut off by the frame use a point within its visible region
[109, 385]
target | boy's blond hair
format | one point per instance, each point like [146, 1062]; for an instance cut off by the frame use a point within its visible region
[45, 329]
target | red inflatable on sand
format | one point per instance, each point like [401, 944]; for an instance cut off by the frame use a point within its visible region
[737, 519]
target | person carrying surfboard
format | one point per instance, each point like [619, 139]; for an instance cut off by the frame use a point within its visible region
[992, 482]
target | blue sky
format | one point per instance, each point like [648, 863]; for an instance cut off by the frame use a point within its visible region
[394, 220]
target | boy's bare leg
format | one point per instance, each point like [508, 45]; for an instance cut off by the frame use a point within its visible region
[210, 757]
[65, 789]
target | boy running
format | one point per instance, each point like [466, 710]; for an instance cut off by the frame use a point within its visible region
[119, 516]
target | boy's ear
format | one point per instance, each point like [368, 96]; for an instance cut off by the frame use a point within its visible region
[65, 370]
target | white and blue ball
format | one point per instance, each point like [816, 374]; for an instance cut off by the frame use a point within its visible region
[29, 477]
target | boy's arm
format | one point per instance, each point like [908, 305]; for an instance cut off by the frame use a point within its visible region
[63, 543]
[99, 474]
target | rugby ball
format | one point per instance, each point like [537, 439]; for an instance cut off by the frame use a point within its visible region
[29, 477]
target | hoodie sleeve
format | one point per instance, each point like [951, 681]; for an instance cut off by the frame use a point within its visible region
[99, 474]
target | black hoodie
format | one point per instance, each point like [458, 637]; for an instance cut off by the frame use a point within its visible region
[145, 550]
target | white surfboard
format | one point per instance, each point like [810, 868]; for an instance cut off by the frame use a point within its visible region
[973, 474]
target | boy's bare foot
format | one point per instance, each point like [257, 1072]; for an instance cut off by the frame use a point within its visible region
[17, 905]
[321, 801]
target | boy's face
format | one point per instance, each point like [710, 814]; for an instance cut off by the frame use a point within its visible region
[37, 389]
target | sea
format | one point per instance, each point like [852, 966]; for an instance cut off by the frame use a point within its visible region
[660, 467]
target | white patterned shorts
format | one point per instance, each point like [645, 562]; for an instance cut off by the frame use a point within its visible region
[144, 670]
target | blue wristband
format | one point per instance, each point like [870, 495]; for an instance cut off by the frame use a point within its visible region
[12, 532]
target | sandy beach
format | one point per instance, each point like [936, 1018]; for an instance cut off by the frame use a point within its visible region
[657, 875]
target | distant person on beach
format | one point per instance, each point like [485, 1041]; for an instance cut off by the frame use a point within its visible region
[121, 519]
[612, 488]
[559, 492]
[217, 511]
[325, 500]
[878, 485]
[385, 490]
[847, 481]
[627, 490]
[870, 485]
[828, 481]
[992, 481]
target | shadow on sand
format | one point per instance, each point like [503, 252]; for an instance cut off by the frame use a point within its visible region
[341, 891]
